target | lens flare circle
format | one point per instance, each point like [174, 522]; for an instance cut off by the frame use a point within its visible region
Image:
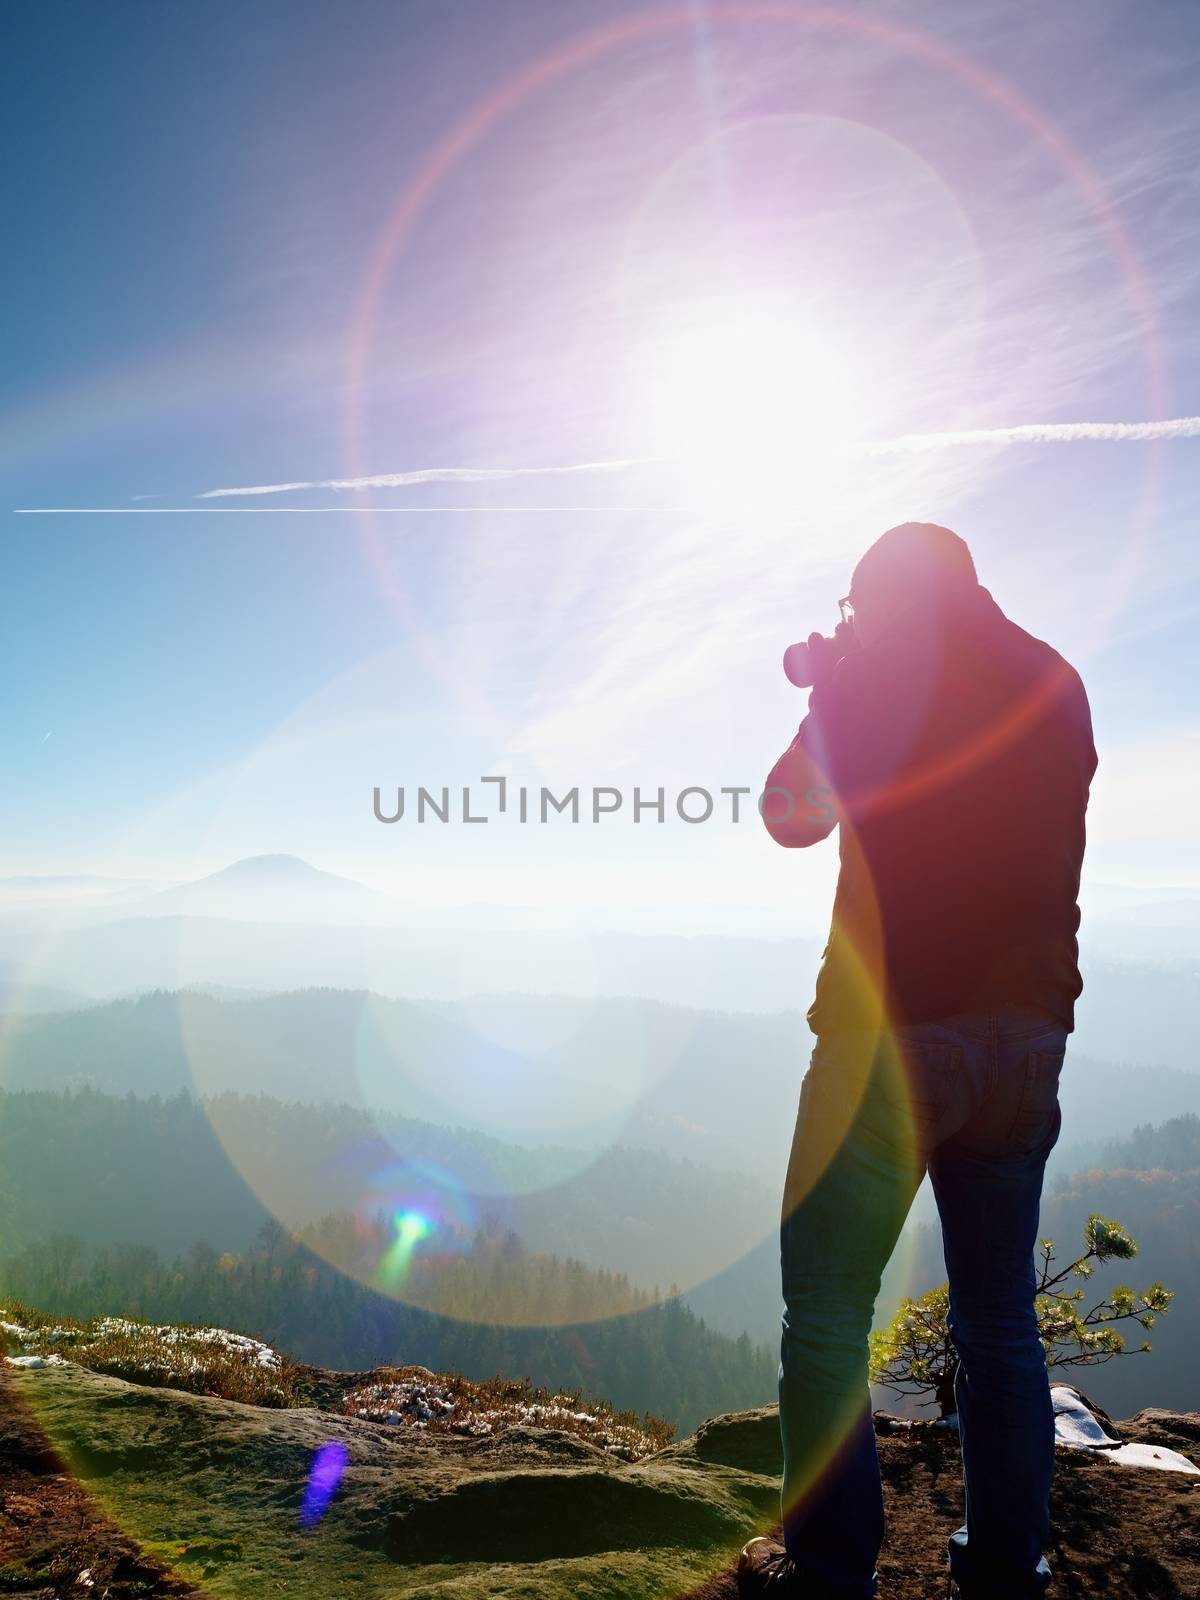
[541, 1087]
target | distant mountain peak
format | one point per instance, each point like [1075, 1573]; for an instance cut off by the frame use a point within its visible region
[272, 886]
[276, 867]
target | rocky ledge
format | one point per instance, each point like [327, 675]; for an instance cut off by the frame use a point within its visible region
[115, 1489]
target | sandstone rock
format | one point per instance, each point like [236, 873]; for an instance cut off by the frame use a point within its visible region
[212, 1490]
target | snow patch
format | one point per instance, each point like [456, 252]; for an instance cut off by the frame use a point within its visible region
[188, 1343]
[262, 1353]
[1076, 1427]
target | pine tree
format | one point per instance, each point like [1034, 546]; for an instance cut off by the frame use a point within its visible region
[915, 1353]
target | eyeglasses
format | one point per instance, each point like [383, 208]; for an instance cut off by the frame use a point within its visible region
[846, 607]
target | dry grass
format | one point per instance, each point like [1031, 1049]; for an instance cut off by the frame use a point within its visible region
[208, 1361]
[414, 1397]
[232, 1366]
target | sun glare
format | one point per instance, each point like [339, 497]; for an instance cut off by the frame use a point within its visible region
[752, 403]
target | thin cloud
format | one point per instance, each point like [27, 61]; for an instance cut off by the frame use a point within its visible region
[903, 444]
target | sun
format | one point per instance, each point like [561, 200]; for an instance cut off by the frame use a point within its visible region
[753, 403]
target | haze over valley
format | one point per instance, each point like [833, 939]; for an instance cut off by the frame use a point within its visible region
[633, 1112]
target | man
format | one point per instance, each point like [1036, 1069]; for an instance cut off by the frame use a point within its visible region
[955, 752]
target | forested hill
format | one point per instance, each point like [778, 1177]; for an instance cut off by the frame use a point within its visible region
[718, 1088]
[166, 1173]
[1172, 1146]
[643, 1351]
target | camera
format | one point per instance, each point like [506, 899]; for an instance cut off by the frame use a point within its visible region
[814, 658]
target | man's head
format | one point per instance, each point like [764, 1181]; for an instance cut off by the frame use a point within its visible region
[910, 564]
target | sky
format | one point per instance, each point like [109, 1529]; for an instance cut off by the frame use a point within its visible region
[715, 260]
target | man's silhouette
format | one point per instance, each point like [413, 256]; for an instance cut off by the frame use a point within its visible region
[955, 753]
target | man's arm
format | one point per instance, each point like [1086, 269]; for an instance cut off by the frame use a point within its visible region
[799, 806]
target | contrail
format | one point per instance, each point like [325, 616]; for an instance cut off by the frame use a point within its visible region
[1036, 433]
[902, 444]
[403, 480]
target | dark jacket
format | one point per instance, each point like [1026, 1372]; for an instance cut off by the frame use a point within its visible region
[960, 751]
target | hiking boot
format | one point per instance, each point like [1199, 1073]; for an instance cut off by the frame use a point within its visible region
[765, 1568]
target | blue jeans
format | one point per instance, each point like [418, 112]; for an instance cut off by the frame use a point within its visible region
[973, 1099]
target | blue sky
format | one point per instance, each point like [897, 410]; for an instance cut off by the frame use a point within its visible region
[900, 204]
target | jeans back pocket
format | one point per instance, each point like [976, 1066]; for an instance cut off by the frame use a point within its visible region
[921, 1084]
[1037, 1119]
